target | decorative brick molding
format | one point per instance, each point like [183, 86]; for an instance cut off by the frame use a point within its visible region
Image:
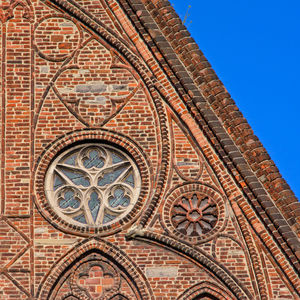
[238, 148]
[165, 19]
[83, 80]
[222, 103]
[151, 82]
[95, 252]
[93, 278]
[197, 255]
[46, 39]
[7, 11]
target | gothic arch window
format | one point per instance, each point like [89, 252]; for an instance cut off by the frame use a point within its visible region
[96, 269]
[206, 296]
[206, 291]
[94, 277]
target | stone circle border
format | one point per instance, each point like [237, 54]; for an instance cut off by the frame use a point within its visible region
[86, 136]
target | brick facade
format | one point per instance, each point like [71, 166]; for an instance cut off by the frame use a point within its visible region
[127, 171]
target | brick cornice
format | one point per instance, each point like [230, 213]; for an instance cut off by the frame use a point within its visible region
[223, 113]
[225, 108]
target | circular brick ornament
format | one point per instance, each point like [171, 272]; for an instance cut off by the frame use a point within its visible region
[56, 37]
[92, 182]
[194, 212]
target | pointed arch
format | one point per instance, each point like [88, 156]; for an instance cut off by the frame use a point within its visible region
[153, 85]
[205, 290]
[7, 13]
[196, 255]
[94, 255]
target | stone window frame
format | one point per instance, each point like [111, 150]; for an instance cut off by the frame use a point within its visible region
[80, 137]
[91, 192]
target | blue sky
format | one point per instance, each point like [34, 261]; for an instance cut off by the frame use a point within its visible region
[254, 47]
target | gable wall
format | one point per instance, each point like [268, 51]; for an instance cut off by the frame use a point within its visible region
[66, 82]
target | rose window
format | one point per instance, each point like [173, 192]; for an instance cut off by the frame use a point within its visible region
[194, 214]
[93, 185]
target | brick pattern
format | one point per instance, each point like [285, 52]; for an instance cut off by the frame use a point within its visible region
[187, 160]
[108, 71]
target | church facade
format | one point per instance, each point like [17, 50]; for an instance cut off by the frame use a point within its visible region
[127, 171]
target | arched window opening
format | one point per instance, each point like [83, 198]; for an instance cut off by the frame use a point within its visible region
[205, 296]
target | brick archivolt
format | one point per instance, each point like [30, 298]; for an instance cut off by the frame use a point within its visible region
[205, 288]
[198, 256]
[108, 254]
[7, 11]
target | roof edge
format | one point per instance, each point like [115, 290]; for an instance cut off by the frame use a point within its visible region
[175, 32]
[227, 111]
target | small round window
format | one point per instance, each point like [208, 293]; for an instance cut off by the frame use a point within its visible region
[92, 185]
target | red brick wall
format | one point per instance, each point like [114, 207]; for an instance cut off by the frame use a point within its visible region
[92, 77]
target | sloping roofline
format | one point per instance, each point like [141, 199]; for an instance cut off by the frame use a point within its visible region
[227, 111]
[247, 154]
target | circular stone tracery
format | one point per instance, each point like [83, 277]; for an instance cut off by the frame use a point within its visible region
[92, 185]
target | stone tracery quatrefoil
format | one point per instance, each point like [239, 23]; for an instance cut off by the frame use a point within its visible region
[92, 185]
